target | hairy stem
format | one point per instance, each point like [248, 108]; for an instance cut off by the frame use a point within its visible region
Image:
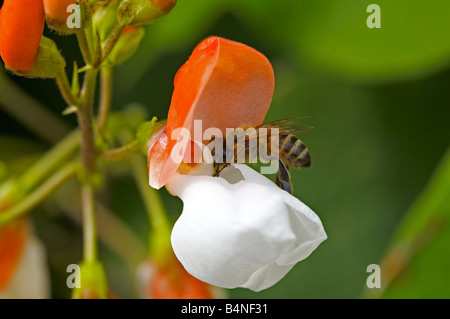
[84, 46]
[85, 121]
[65, 89]
[106, 83]
[111, 43]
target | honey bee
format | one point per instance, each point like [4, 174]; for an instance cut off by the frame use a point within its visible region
[292, 152]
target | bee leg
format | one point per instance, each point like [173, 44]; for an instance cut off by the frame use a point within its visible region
[216, 169]
[283, 177]
[286, 186]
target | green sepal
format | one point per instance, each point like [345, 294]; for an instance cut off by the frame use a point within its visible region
[151, 12]
[129, 9]
[105, 18]
[148, 129]
[48, 62]
[93, 283]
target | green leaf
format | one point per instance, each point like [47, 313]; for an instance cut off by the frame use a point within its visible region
[333, 35]
[417, 264]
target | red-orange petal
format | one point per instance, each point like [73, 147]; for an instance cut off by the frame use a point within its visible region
[172, 281]
[57, 9]
[164, 5]
[21, 28]
[225, 84]
[12, 242]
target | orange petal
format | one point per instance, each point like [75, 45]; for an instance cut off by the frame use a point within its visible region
[21, 28]
[57, 9]
[172, 281]
[12, 241]
[164, 5]
[225, 84]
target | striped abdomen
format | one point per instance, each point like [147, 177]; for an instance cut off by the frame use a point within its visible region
[293, 151]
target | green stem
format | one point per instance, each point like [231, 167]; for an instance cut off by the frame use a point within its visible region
[82, 35]
[111, 43]
[84, 46]
[106, 75]
[50, 161]
[88, 154]
[85, 121]
[122, 152]
[152, 200]
[65, 89]
[89, 223]
[159, 238]
[113, 232]
[40, 194]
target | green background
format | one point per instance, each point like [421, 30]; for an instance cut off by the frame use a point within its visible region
[378, 101]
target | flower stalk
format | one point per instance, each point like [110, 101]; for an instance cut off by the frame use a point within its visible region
[159, 239]
[122, 152]
[106, 76]
[65, 88]
[40, 194]
[111, 43]
[85, 121]
[89, 223]
[83, 43]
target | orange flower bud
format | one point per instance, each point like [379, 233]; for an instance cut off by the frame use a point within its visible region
[57, 9]
[171, 281]
[164, 5]
[12, 242]
[56, 12]
[21, 28]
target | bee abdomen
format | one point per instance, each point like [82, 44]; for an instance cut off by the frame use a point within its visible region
[295, 152]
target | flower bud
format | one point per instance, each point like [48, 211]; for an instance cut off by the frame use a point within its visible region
[93, 283]
[170, 281]
[12, 242]
[127, 45]
[153, 10]
[21, 28]
[105, 18]
[57, 12]
[128, 9]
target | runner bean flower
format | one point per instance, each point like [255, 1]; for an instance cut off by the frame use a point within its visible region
[239, 229]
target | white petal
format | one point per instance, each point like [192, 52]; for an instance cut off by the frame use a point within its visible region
[31, 278]
[241, 230]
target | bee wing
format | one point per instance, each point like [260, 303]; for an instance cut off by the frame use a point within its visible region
[287, 125]
[284, 125]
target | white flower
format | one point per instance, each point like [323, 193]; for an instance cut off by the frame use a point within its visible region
[240, 229]
[31, 278]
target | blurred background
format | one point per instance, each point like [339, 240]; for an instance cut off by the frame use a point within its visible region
[379, 101]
